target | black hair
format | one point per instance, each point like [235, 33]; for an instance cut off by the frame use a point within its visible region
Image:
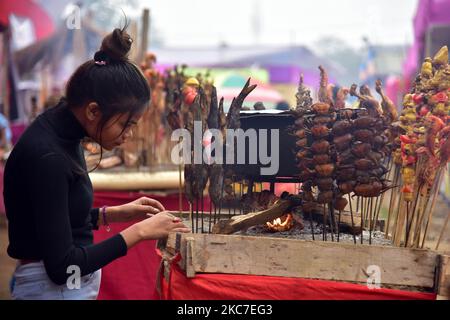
[116, 84]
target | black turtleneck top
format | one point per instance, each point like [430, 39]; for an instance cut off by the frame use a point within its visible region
[48, 199]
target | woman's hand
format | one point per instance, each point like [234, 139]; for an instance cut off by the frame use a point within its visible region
[157, 226]
[135, 210]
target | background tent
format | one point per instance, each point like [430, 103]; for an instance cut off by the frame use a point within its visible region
[21, 22]
[431, 31]
[230, 86]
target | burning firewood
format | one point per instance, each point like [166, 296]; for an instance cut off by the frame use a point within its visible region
[241, 222]
[283, 223]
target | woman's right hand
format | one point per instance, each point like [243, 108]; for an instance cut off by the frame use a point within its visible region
[159, 225]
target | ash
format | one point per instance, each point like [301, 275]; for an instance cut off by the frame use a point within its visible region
[302, 234]
[305, 234]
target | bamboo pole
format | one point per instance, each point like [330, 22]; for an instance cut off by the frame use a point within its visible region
[144, 34]
[4, 75]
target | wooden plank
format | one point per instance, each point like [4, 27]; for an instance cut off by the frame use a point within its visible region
[134, 181]
[190, 257]
[309, 259]
[443, 285]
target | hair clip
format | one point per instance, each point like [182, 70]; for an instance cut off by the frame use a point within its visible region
[100, 58]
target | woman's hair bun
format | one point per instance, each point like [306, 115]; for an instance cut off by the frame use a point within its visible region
[117, 45]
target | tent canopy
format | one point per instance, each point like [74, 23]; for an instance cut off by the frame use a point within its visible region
[27, 9]
[429, 13]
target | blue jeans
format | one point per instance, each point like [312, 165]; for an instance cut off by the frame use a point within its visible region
[31, 282]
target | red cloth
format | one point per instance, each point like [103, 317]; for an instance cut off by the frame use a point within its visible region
[133, 276]
[17, 129]
[246, 287]
[2, 203]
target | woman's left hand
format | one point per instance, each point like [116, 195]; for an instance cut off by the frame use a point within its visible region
[138, 209]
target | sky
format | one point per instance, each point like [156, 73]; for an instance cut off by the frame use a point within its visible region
[281, 22]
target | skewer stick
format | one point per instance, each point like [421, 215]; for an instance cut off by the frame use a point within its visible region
[408, 222]
[196, 215]
[357, 205]
[210, 215]
[241, 191]
[362, 212]
[338, 226]
[202, 213]
[324, 224]
[420, 217]
[377, 201]
[191, 213]
[377, 211]
[433, 203]
[413, 228]
[180, 191]
[351, 215]
[331, 218]
[414, 216]
[400, 220]
[312, 225]
[442, 231]
[220, 201]
[234, 196]
[362, 220]
[423, 211]
[364, 208]
[391, 201]
[370, 221]
[368, 213]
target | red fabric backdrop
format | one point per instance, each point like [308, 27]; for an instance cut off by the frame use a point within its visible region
[239, 287]
[134, 276]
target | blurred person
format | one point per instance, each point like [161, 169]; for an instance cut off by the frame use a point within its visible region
[259, 106]
[34, 109]
[339, 95]
[5, 137]
[282, 105]
[47, 191]
[53, 99]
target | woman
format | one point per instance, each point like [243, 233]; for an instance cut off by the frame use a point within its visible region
[47, 191]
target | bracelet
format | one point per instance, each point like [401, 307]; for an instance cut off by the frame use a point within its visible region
[105, 222]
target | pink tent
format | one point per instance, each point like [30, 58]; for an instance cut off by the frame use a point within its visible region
[429, 13]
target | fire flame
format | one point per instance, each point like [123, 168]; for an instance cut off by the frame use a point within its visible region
[279, 225]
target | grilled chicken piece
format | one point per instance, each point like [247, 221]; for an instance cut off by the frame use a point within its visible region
[367, 101]
[387, 105]
[323, 94]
